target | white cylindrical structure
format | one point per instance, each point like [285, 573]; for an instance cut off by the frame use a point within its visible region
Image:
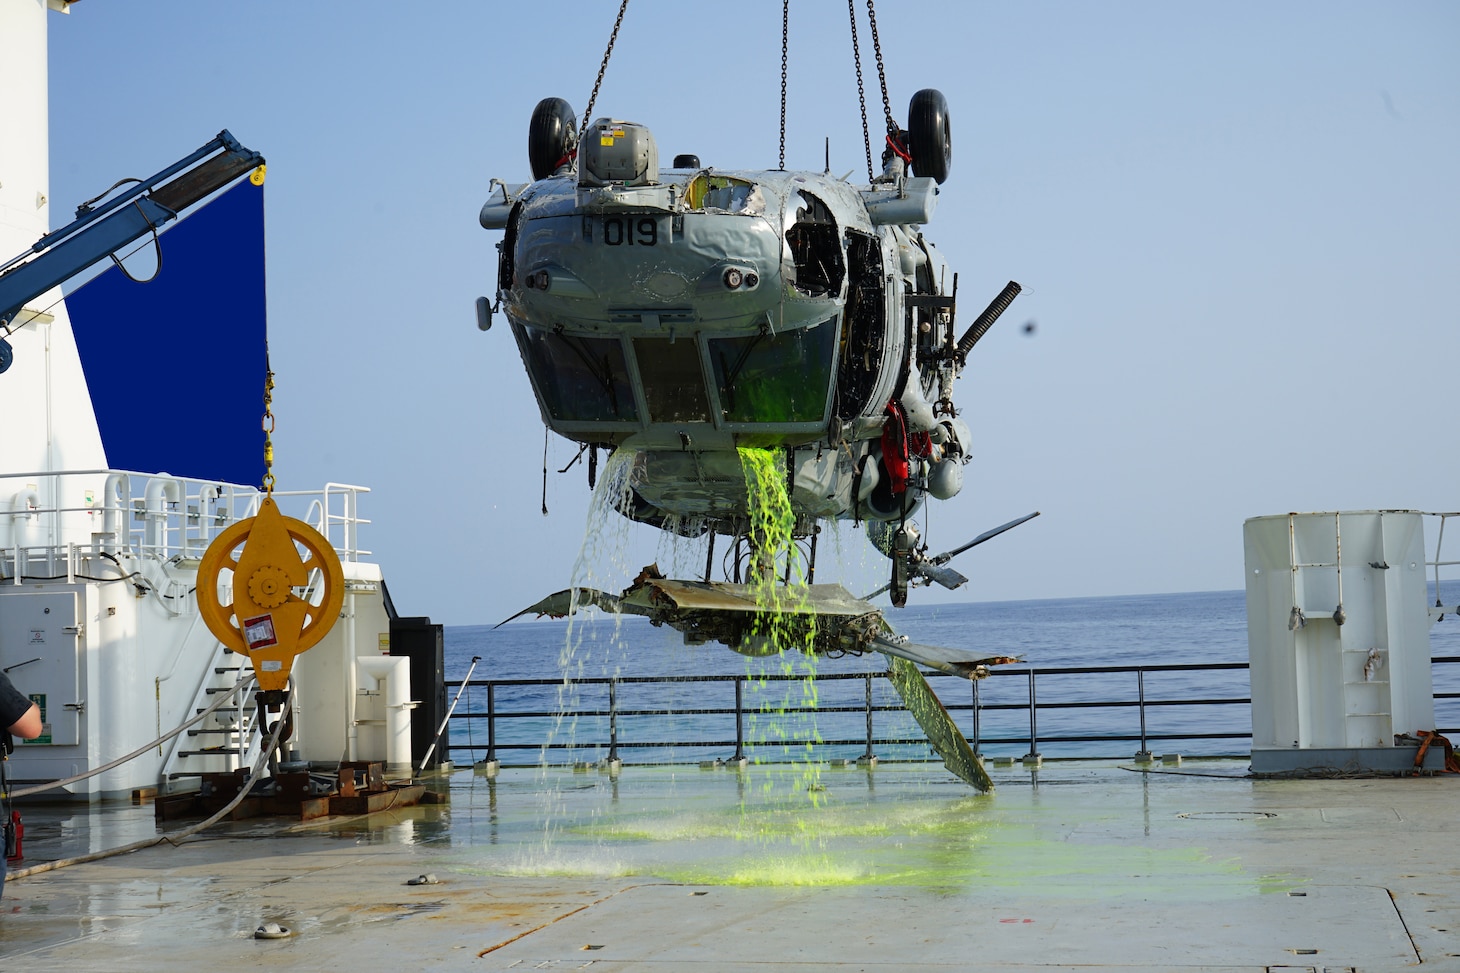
[392, 677]
[1338, 640]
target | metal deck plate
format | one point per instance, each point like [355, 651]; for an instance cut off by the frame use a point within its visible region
[1072, 867]
[756, 929]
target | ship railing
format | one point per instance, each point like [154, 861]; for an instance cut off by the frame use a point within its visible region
[1018, 713]
[50, 519]
[1441, 569]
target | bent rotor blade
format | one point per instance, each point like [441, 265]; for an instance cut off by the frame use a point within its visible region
[947, 556]
[560, 604]
[945, 737]
[945, 576]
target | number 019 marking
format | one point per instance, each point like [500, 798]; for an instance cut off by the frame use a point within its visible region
[629, 231]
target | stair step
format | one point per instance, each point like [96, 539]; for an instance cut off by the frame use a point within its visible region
[220, 751]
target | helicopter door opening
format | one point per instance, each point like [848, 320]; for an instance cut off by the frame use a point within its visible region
[816, 250]
[864, 337]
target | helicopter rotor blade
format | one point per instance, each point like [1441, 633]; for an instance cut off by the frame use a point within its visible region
[945, 576]
[947, 556]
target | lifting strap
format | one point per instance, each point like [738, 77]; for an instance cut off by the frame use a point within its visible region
[1452, 764]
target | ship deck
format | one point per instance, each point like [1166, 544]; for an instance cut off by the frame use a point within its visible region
[1075, 866]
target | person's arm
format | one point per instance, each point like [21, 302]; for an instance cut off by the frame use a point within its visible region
[28, 727]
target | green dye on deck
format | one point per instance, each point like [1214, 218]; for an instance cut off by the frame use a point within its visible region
[975, 845]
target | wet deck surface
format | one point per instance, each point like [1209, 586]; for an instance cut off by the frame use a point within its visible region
[1075, 866]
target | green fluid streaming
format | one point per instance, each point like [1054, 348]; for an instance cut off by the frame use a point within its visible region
[785, 621]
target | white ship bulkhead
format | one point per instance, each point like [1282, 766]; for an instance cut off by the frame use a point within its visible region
[1338, 623]
[98, 620]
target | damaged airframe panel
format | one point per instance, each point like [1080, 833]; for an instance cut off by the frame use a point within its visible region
[816, 619]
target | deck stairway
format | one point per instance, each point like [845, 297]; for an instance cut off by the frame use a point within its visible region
[225, 740]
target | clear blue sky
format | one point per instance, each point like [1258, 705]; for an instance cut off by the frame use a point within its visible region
[1236, 226]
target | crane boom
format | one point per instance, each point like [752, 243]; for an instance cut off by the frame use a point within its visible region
[102, 230]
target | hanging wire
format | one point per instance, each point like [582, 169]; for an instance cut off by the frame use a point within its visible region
[861, 88]
[892, 128]
[617, 23]
[785, 47]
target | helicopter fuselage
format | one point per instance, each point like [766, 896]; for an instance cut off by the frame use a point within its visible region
[681, 314]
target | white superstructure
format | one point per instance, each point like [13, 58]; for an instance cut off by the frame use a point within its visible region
[98, 617]
[1338, 623]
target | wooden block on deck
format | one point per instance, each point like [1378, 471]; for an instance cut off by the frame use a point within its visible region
[249, 807]
[371, 802]
[372, 770]
[174, 806]
[314, 807]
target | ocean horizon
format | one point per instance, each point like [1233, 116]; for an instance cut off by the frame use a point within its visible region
[574, 660]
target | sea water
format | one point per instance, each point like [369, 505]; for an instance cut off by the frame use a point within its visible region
[1199, 628]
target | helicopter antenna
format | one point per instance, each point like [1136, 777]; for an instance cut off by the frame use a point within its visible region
[827, 170]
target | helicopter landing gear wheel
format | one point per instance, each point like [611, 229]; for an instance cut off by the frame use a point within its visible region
[930, 134]
[552, 136]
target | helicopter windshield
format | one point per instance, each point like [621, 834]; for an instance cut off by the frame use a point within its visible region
[579, 378]
[775, 377]
[673, 382]
[724, 193]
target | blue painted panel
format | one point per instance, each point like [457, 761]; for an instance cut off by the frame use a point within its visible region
[176, 366]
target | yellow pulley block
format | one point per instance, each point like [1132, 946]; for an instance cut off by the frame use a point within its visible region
[267, 621]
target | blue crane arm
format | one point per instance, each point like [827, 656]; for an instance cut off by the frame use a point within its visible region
[97, 232]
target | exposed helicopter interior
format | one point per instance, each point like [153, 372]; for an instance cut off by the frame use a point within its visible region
[816, 249]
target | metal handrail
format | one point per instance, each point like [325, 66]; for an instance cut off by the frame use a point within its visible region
[183, 517]
[495, 715]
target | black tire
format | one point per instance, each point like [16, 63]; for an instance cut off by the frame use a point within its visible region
[551, 136]
[930, 134]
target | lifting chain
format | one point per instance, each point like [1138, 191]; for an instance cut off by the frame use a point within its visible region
[268, 424]
[617, 23]
[892, 129]
[785, 46]
[861, 88]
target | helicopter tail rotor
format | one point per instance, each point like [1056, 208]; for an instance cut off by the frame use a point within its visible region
[912, 565]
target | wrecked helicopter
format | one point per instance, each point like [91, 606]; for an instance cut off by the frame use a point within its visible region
[682, 313]
[677, 315]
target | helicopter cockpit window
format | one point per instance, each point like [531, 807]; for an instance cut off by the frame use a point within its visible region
[580, 379]
[674, 386]
[816, 249]
[724, 193]
[775, 377]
